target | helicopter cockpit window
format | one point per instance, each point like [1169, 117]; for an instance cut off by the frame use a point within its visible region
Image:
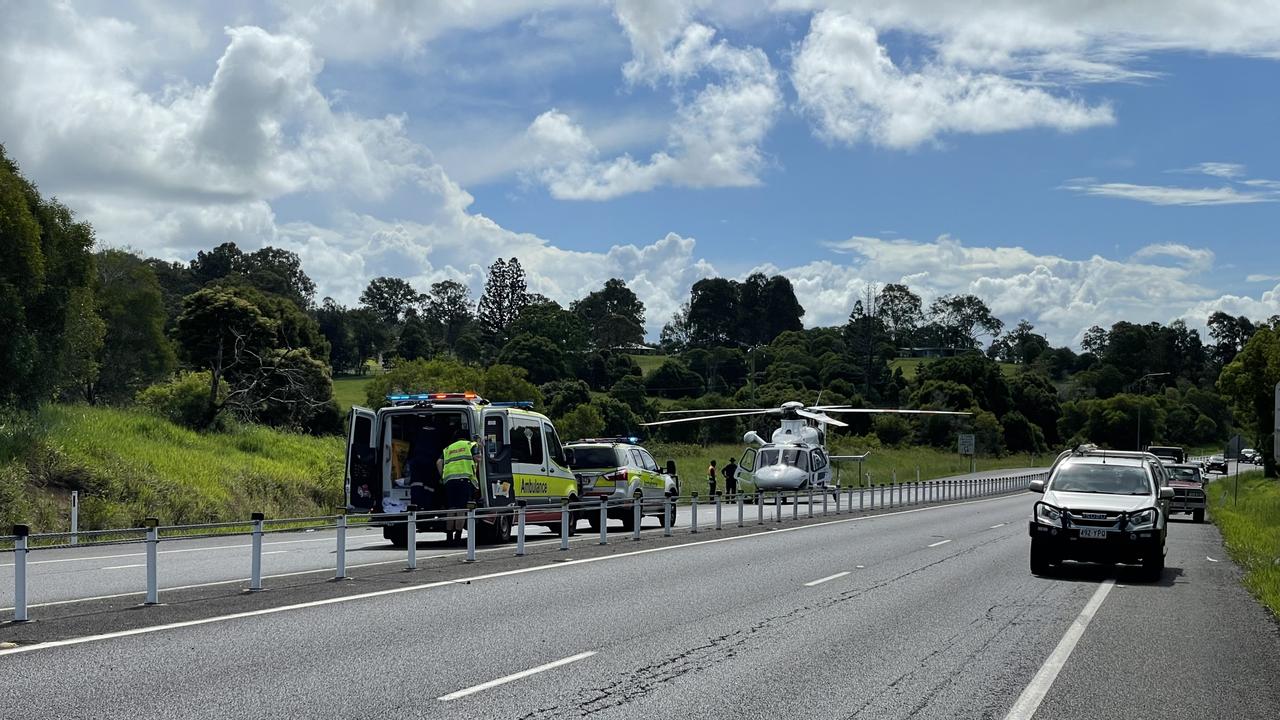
[793, 458]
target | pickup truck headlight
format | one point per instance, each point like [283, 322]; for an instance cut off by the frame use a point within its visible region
[1048, 515]
[1143, 519]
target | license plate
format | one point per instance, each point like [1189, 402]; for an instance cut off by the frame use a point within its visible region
[604, 483]
[1096, 533]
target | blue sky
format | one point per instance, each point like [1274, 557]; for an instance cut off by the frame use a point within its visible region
[1071, 165]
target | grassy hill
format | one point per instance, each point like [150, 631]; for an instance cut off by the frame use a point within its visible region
[348, 390]
[911, 365]
[649, 363]
[130, 464]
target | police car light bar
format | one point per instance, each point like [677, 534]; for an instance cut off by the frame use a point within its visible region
[470, 396]
[631, 440]
[522, 404]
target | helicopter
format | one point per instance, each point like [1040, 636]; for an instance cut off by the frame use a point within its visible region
[795, 457]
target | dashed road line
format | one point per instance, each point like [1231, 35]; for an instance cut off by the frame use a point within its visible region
[828, 578]
[940, 542]
[516, 676]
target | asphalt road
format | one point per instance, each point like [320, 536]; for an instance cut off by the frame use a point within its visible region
[63, 575]
[919, 613]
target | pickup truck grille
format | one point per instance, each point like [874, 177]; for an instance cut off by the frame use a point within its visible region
[1093, 518]
[1188, 493]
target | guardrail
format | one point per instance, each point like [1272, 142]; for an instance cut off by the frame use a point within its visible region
[152, 533]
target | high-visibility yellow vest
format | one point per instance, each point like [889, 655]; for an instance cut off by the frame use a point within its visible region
[458, 462]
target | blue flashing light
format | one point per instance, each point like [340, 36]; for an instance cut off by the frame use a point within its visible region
[522, 404]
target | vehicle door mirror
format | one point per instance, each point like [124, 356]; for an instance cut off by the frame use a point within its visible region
[1036, 486]
[1166, 493]
[568, 457]
[671, 467]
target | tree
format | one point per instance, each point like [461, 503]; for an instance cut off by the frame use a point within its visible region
[1021, 345]
[1229, 334]
[1094, 341]
[981, 375]
[371, 336]
[505, 382]
[713, 312]
[1249, 380]
[901, 312]
[420, 376]
[449, 304]
[216, 264]
[540, 357]
[506, 292]
[673, 379]
[215, 329]
[389, 299]
[560, 396]
[614, 316]
[632, 391]
[869, 343]
[674, 337]
[135, 352]
[964, 319]
[583, 421]
[280, 272]
[546, 319]
[415, 339]
[335, 324]
[47, 330]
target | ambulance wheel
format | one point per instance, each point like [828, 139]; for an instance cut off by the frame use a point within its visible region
[397, 534]
[594, 522]
[1198, 515]
[628, 521]
[499, 532]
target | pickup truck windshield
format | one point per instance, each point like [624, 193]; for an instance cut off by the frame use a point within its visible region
[1100, 478]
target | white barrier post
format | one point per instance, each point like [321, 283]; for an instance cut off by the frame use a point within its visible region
[839, 492]
[777, 506]
[795, 504]
[342, 546]
[20, 573]
[666, 516]
[718, 504]
[809, 505]
[75, 517]
[739, 509]
[759, 508]
[564, 523]
[153, 539]
[824, 502]
[521, 510]
[637, 514]
[694, 512]
[411, 535]
[604, 519]
[471, 532]
[255, 559]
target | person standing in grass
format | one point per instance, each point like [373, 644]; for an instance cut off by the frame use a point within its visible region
[711, 478]
[731, 478]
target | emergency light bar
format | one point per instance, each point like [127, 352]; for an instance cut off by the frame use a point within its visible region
[631, 440]
[469, 396]
[522, 404]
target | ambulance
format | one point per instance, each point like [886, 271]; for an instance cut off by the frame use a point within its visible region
[392, 453]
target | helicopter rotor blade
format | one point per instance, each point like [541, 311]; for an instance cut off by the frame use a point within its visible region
[705, 417]
[821, 418]
[714, 410]
[895, 411]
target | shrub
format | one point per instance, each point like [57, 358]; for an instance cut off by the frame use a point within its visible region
[184, 400]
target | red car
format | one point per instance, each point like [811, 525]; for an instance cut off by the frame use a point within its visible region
[1188, 490]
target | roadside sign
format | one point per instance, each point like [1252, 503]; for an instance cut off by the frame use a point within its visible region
[1234, 446]
[967, 444]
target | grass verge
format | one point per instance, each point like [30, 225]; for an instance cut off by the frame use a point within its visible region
[348, 390]
[1250, 525]
[129, 464]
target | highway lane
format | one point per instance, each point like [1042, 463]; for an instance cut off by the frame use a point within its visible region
[71, 574]
[758, 626]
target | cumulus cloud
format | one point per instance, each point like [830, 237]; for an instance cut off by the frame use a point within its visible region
[715, 135]
[848, 84]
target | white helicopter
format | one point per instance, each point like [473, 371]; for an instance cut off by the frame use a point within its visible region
[795, 457]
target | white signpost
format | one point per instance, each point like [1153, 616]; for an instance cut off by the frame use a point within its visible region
[968, 445]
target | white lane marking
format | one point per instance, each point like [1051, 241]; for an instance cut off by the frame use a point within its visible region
[997, 525]
[516, 676]
[475, 578]
[940, 542]
[123, 567]
[183, 550]
[1206, 557]
[1034, 693]
[276, 552]
[828, 578]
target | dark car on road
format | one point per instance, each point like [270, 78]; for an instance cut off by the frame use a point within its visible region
[1217, 464]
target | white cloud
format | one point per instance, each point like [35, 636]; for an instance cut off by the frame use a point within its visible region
[1217, 169]
[1258, 277]
[716, 132]
[854, 92]
[1169, 195]
[1194, 259]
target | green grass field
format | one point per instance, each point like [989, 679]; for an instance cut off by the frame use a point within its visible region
[129, 465]
[1250, 527]
[348, 390]
[649, 363]
[881, 464]
[911, 365]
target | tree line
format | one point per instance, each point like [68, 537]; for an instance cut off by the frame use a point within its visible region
[235, 334]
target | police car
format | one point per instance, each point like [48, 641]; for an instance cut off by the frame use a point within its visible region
[616, 468]
[392, 453]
